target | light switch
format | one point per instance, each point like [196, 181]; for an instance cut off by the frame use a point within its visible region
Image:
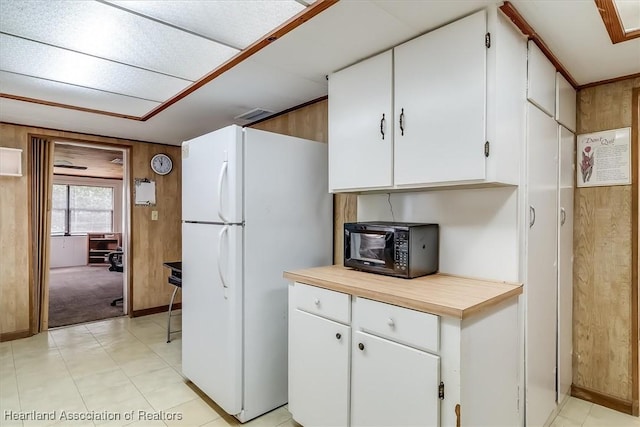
[154, 215]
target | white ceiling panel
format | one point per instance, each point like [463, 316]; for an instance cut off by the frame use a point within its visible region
[23, 57]
[425, 16]
[31, 87]
[237, 23]
[575, 33]
[109, 32]
[347, 32]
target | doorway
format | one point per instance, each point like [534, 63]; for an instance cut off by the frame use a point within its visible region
[89, 208]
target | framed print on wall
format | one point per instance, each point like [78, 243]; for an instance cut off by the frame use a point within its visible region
[604, 158]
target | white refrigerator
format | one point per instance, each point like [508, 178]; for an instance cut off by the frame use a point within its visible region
[254, 204]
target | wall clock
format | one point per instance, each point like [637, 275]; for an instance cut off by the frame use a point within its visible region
[161, 164]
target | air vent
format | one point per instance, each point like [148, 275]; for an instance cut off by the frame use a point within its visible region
[253, 115]
[117, 161]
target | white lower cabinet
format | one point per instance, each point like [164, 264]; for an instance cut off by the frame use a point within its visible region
[392, 384]
[392, 366]
[319, 356]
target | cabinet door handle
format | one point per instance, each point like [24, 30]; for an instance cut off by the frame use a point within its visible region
[402, 122]
[391, 323]
[532, 216]
[316, 301]
[338, 336]
[563, 216]
[382, 125]
[361, 346]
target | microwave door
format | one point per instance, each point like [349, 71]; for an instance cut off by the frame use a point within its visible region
[369, 248]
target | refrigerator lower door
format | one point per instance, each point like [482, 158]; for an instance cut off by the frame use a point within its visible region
[212, 311]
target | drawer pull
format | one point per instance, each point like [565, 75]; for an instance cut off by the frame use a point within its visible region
[316, 301]
[338, 336]
[361, 346]
[391, 323]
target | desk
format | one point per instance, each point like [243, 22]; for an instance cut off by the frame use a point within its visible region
[174, 279]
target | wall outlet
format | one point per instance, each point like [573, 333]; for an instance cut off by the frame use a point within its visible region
[154, 215]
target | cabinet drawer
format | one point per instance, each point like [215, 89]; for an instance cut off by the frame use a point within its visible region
[323, 302]
[403, 325]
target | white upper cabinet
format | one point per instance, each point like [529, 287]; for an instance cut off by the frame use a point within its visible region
[440, 90]
[443, 109]
[360, 125]
[565, 103]
[541, 88]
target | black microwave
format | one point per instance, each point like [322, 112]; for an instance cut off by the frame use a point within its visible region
[398, 249]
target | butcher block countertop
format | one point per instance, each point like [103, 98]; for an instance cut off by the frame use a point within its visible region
[440, 294]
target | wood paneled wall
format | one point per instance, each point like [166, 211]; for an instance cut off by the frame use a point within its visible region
[602, 307]
[153, 242]
[312, 122]
[14, 241]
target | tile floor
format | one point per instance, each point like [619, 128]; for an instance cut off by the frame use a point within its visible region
[118, 366]
[124, 366]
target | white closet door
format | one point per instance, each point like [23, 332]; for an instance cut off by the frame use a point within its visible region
[565, 261]
[541, 278]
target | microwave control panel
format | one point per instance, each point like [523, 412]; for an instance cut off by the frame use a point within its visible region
[401, 250]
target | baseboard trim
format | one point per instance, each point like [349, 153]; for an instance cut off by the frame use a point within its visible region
[614, 403]
[10, 336]
[155, 310]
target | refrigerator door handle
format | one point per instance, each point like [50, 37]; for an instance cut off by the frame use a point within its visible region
[223, 172]
[223, 232]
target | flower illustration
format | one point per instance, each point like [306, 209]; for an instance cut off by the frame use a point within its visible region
[586, 166]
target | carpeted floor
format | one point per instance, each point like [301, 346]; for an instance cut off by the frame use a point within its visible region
[83, 294]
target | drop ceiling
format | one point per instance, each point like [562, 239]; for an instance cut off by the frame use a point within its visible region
[143, 53]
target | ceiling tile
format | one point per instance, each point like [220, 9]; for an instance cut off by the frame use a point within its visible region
[31, 87]
[237, 23]
[109, 32]
[37, 60]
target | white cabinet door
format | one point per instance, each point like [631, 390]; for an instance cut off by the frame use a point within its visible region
[540, 284]
[360, 125]
[393, 385]
[318, 370]
[440, 97]
[565, 261]
[541, 89]
[565, 103]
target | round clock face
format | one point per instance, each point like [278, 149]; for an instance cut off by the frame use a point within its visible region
[161, 164]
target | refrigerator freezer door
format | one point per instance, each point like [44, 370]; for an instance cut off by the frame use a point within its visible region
[212, 177]
[212, 311]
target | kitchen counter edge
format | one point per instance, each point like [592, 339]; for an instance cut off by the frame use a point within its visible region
[439, 294]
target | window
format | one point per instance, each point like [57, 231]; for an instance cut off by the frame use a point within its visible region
[81, 209]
